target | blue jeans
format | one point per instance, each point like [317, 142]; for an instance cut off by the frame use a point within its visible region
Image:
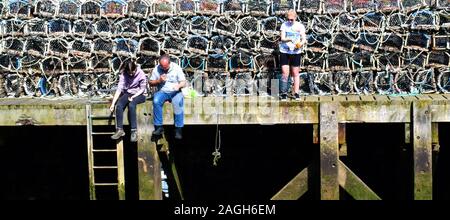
[122, 103]
[177, 100]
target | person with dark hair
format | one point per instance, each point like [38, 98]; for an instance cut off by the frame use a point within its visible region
[169, 79]
[131, 90]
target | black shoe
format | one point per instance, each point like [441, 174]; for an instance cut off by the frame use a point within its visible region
[178, 133]
[159, 130]
[297, 97]
[133, 137]
[283, 97]
[119, 133]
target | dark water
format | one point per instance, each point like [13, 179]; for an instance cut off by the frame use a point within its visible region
[257, 161]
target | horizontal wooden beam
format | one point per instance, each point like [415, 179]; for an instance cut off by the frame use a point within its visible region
[295, 188]
[354, 185]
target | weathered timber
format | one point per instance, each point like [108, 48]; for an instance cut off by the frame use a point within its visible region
[354, 185]
[295, 188]
[342, 140]
[329, 147]
[120, 169]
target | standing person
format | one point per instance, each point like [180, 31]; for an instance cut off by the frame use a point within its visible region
[169, 79]
[131, 91]
[293, 37]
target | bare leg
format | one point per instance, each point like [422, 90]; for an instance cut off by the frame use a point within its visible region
[284, 79]
[296, 76]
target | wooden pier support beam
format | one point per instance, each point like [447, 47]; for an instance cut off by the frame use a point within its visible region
[354, 185]
[295, 188]
[329, 151]
[422, 138]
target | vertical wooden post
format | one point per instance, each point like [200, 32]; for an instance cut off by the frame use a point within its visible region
[329, 149]
[120, 170]
[421, 135]
[315, 134]
[342, 140]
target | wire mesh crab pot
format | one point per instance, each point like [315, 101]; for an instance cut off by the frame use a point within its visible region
[194, 63]
[52, 65]
[233, 7]
[163, 7]
[392, 42]
[69, 9]
[280, 7]
[138, 8]
[185, 7]
[348, 22]
[425, 81]
[218, 84]
[444, 20]
[13, 84]
[90, 9]
[36, 27]
[77, 65]
[217, 63]
[404, 82]
[424, 20]
[13, 46]
[104, 28]
[174, 44]
[103, 47]
[258, 8]
[317, 43]
[117, 62]
[67, 85]
[314, 61]
[208, 7]
[31, 64]
[265, 62]
[45, 8]
[438, 59]
[338, 61]
[415, 59]
[244, 84]
[241, 62]
[10, 62]
[417, 41]
[149, 46]
[368, 41]
[411, 5]
[152, 26]
[125, 47]
[442, 4]
[14, 27]
[225, 26]
[363, 61]
[245, 44]
[58, 47]
[384, 82]
[363, 82]
[389, 61]
[387, 5]
[322, 24]
[127, 28]
[19, 9]
[147, 63]
[441, 42]
[249, 26]
[113, 8]
[100, 64]
[323, 83]
[200, 25]
[310, 6]
[271, 26]
[176, 25]
[396, 22]
[343, 42]
[2, 10]
[373, 21]
[196, 44]
[220, 44]
[268, 44]
[31, 85]
[443, 80]
[59, 27]
[361, 6]
[86, 84]
[334, 6]
[83, 28]
[105, 83]
[343, 82]
[36, 46]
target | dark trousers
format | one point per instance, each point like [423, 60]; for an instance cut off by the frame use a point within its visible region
[122, 103]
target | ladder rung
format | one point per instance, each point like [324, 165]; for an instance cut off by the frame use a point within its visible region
[105, 117]
[105, 184]
[103, 133]
[104, 150]
[105, 167]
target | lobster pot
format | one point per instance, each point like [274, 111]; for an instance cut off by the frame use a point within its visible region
[343, 42]
[348, 22]
[317, 43]
[185, 7]
[220, 44]
[343, 82]
[361, 6]
[244, 84]
[127, 28]
[45, 8]
[363, 61]
[233, 7]
[438, 58]
[418, 41]
[363, 82]
[194, 63]
[389, 61]
[147, 63]
[217, 63]
[103, 47]
[104, 28]
[384, 82]
[174, 44]
[58, 47]
[85, 83]
[67, 85]
[10, 62]
[2, 15]
[387, 5]
[59, 27]
[5, 61]
[13, 46]
[322, 24]
[116, 62]
[152, 26]
[197, 45]
[176, 25]
[309, 6]
[200, 25]
[241, 62]
[392, 42]
[404, 82]
[105, 83]
[442, 4]
[444, 19]
[83, 28]
[36, 46]
[218, 84]
[338, 61]
[100, 64]
[425, 81]
[208, 7]
[334, 7]
[271, 26]
[90, 9]
[125, 47]
[265, 62]
[411, 5]
[441, 42]
[396, 21]
[14, 27]
[415, 59]
[424, 20]
[163, 8]
[52, 65]
[280, 7]
[443, 80]
[258, 8]
[246, 44]
[373, 21]
[138, 8]
[35, 27]
[31, 64]
[323, 83]
[196, 81]
[30, 84]
[113, 8]
[149, 46]
[69, 9]
[368, 41]
[314, 61]
[77, 65]
[268, 44]
[19, 9]
[225, 26]
[249, 26]
[13, 83]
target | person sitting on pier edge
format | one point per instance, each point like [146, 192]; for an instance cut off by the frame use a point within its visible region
[169, 79]
[293, 37]
[131, 90]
